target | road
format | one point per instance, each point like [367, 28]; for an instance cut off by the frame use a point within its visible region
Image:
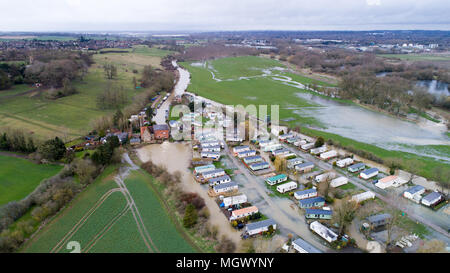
[279, 209]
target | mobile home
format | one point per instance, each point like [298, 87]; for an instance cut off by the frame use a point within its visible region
[307, 146]
[318, 214]
[337, 182]
[290, 163]
[239, 149]
[369, 173]
[328, 155]
[356, 167]
[241, 213]
[234, 200]
[246, 153]
[227, 187]
[276, 179]
[312, 202]
[344, 162]
[323, 231]
[279, 152]
[304, 247]
[213, 173]
[319, 150]
[324, 177]
[414, 193]
[363, 196]
[273, 147]
[304, 167]
[287, 187]
[213, 155]
[390, 181]
[299, 143]
[211, 149]
[299, 195]
[260, 227]
[219, 180]
[259, 166]
[431, 199]
[205, 168]
[252, 159]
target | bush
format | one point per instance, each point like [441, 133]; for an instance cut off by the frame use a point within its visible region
[190, 216]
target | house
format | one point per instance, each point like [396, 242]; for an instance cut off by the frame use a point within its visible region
[303, 247]
[304, 167]
[259, 166]
[323, 177]
[239, 149]
[234, 200]
[227, 187]
[252, 159]
[287, 187]
[205, 168]
[328, 155]
[299, 195]
[319, 150]
[279, 152]
[323, 231]
[318, 214]
[276, 179]
[312, 202]
[213, 155]
[161, 131]
[363, 196]
[307, 146]
[344, 162]
[369, 173]
[431, 199]
[379, 220]
[414, 193]
[356, 167]
[241, 213]
[290, 163]
[211, 149]
[260, 227]
[213, 173]
[219, 180]
[337, 182]
[390, 181]
[246, 153]
[273, 147]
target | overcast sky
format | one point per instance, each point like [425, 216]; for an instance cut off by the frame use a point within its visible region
[195, 15]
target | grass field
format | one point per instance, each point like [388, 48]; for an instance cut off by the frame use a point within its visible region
[417, 57]
[71, 116]
[111, 227]
[19, 177]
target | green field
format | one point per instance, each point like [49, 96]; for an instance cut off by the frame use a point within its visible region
[417, 57]
[111, 227]
[19, 177]
[71, 116]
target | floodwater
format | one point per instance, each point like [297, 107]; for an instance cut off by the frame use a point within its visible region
[436, 88]
[177, 157]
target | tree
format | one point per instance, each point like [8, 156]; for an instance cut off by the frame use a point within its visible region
[280, 163]
[118, 116]
[53, 149]
[319, 142]
[85, 170]
[344, 213]
[110, 71]
[190, 216]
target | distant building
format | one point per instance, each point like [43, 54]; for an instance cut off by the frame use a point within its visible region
[161, 131]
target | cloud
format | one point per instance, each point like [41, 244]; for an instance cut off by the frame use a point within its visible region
[373, 2]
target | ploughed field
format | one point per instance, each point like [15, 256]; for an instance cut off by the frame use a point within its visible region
[19, 177]
[101, 220]
[27, 108]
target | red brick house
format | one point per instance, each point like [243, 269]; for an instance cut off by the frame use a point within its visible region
[161, 131]
[146, 135]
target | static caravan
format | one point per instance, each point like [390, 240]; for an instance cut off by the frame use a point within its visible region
[323, 231]
[227, 187]
[299, 143]
[414, 191]
[299, 195]
[390, 181]
[318, 214]
[337, 182]
[319, 150]
[259, 166]
[291, 140]
[285, 136]
[210, 143]
[369, 173]
[379, 220]
[213, 155]
[239, 149]
[213, 173]
[290, 163]
[304, 247]
[241, 213]
[234, 200]
[307, 146]
[431, 199]
[363, 196]
[272, 147]
[211, 149]
[328, 155]
[205, 168]
[246, 153]
[219, 180]
[260, 227]
[344, 162]
[265, 143]
[356, 167]
[304, 167]
[324, 177]
[312, 202]
[289, 186]
[276, 179]
[252, 159]
[280, 152]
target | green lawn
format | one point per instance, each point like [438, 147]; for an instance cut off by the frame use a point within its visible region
[417, 57]
[19, 177]
[112, 228]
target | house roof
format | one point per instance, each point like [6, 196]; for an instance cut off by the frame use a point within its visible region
[260, 224]
[245, 210]
[415, 189]
[215, 179]
[259, 164]
[306, 246]
[312, 200]
[306, 191]
[213, 171]
[246, 152]
[370, 171]
[205, 167]
[293, 160]
[319, 211]
[378, 217]
[306, 164]
[276, 177]
[253, 157]
[225, 185]
[160, 127]
[241, 147]
[357, 166]
[432, 196]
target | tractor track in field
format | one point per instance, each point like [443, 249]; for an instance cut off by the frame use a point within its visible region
[83, 220]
